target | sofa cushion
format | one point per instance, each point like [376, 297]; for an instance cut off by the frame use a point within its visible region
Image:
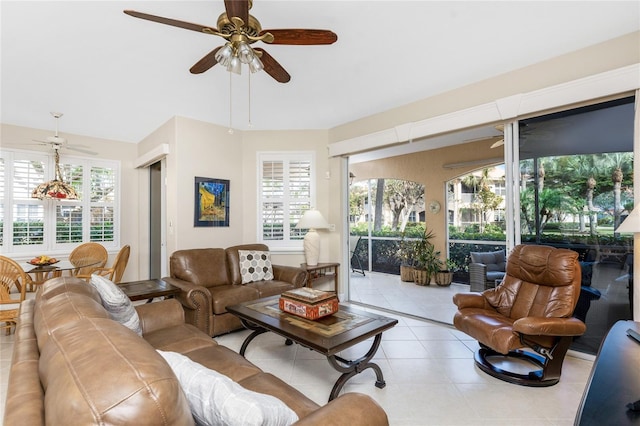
[205, 267]
[255, 265]
[51, 313]
[270, 288]
[215, 399]
[96, 371]
[228, 295]
[117, 303]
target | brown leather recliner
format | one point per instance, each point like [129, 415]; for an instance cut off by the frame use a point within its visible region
[531, 309]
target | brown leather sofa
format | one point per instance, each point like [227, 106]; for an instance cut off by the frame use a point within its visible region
[210, 281]
[73, 365]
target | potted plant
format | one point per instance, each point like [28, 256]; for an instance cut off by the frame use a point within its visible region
[444, 277]
[406, 255]
[427, 260]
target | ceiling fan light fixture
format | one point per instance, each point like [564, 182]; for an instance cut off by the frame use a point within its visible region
[245, 53]
[256, 65]
[224, 55]
[235, 66]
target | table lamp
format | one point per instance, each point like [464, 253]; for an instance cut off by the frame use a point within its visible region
[312, 219]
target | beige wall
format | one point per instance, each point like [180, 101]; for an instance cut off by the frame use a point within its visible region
[208, 150]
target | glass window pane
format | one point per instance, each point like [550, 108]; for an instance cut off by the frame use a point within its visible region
[68, 224]
[102, 228]
[285, 195]
[103, 184]
[28, 224]
[26, 176]
[72, 175]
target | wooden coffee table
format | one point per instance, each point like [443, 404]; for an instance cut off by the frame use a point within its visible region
[148, 289]
[328, 336]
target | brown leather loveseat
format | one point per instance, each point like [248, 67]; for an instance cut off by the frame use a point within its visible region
[210, 280]
[74, 365]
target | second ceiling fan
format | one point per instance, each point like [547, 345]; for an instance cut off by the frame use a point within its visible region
[241, 30]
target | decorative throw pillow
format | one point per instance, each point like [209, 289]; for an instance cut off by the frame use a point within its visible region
[255, 265]
[117, 303]
[215, 399]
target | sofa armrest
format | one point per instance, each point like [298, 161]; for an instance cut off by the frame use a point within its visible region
[196, 302]
[159, 315]
[470, 300]
[290, 274]
[539, 326]
[349, 409]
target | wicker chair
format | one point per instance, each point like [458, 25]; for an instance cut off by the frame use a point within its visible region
[13, 288]
[115, 272]
[485, 268]
[88, 256]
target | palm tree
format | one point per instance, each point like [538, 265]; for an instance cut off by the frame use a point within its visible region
[621, 163]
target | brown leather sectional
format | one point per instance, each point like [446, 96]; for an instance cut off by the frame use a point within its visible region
[210, 281]
[72, 364]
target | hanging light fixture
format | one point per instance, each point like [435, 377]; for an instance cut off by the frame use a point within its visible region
[237, 52]
[56, 188]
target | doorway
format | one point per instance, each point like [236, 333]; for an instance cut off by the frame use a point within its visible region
[156, 247]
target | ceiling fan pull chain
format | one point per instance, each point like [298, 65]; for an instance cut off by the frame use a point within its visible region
[249, 103]
[230, 131]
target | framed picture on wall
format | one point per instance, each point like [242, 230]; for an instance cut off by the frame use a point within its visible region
[211, 202]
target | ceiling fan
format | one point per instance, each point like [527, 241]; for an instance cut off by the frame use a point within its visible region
[240, 29]
[525, 131]
[58, 142]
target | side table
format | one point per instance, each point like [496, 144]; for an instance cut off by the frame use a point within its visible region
[148, 289]
[321, 273]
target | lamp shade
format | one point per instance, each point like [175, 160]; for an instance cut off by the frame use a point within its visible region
[55, 189]
[312, 219]
[631, 223]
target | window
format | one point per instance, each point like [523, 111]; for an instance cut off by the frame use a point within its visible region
[49, 226]
[286, 191]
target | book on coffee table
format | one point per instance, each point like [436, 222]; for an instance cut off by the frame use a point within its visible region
[308, 303]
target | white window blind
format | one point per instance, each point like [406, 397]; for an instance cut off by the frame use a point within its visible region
[50, 226]
[286, 190]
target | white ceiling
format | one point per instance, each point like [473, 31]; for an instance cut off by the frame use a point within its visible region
[118, 77]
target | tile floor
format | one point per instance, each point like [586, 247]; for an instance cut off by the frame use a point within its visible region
[430, 374]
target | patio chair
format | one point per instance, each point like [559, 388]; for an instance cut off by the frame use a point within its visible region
[356, 264]
[485, 268]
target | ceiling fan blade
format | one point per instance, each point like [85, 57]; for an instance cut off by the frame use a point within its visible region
[206, 62]
[79, 148]
[272, 67]
[301, 37]
[497, 143]
[237, 8]
[173, 22]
